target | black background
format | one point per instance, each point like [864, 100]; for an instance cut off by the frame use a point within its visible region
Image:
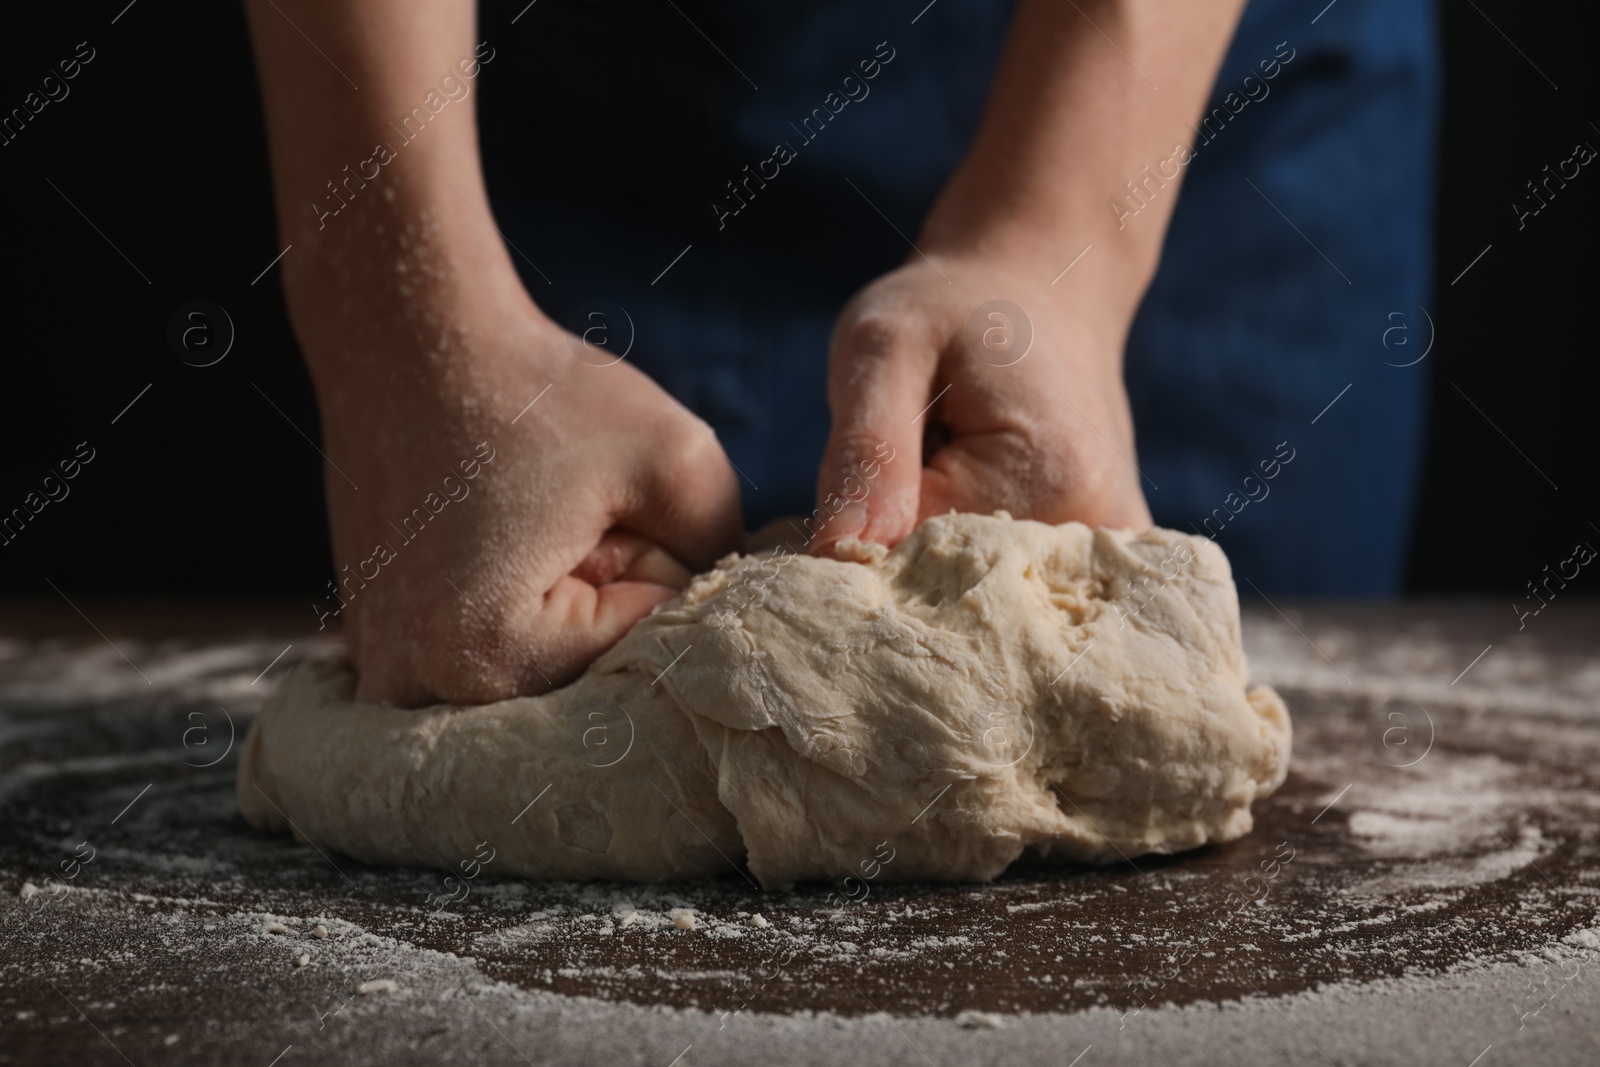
[203, 488]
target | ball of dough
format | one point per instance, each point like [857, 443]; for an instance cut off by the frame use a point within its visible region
[987, 688]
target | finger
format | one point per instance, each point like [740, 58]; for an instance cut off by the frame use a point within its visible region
[483, 646]
[986, 473]
[972, 474]
[880, 385]
[627, 557]
[578, 622]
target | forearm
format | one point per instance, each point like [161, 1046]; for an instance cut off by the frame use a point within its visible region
[1071, 118]
[375, 164]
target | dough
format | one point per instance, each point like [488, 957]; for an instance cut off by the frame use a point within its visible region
[989, 687]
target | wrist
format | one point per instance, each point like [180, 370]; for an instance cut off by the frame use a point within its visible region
[397, 231]
[404, 282]
[1037, 235]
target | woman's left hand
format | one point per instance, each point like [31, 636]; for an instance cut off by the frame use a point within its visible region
[969, 384]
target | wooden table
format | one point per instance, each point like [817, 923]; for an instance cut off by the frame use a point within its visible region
[1421, 890]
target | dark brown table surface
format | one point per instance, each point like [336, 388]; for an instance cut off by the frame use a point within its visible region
[1423, 886]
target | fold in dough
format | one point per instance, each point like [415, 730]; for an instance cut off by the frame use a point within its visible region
[988, 687]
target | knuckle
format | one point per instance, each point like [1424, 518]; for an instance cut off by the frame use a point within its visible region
[851, 447]
[868, 337]
[690, 458]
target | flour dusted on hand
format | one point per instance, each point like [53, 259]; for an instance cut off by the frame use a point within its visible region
[987, 688]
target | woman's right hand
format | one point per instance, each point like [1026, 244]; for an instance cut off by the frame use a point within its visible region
[581, 514]
[426, 351]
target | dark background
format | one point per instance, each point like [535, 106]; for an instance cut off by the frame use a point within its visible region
[202, 488]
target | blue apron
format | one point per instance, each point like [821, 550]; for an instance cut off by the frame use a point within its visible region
[730, 174]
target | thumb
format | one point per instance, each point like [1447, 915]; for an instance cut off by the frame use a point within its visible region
[880, 389]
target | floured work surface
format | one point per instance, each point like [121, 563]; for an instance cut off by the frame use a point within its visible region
[1423, 886]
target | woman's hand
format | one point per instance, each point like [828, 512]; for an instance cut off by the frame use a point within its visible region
[1073, 123]
[483, 548]
[493, 548]
[1011, 404]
